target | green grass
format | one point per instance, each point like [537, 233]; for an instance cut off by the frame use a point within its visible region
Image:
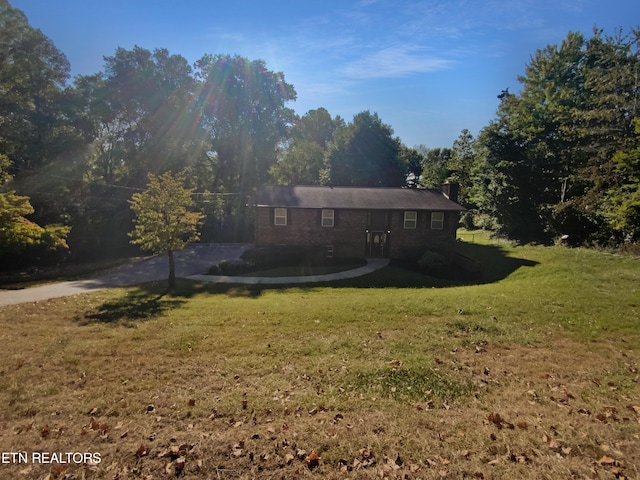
[393, 364]
[415, 383]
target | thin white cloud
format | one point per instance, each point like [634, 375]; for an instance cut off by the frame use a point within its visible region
[393, 62]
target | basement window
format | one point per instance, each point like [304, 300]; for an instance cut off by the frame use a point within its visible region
[279, 216]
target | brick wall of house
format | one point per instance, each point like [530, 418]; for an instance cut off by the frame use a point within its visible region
[348, 235]
[403, 240]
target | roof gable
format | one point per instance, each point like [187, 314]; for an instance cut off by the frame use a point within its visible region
[353, 198]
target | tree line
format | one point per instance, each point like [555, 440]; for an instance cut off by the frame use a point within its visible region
[561, 156]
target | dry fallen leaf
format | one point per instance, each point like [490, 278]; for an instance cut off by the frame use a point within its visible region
[395, 364]
[606, 460]
[180, 463]
[142, 451]
[496, 419]
[312, 461]
[56, 471]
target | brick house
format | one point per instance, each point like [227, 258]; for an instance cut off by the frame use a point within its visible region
[356, 221]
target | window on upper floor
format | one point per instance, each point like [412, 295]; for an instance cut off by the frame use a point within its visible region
[410, 220]
[328, 218]
[279, 216]
[437, 220]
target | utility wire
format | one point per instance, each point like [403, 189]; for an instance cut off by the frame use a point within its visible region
[110, 185]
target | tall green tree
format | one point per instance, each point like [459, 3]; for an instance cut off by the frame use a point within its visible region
[164, 221]
[243, 108]
[33, 72]
[301, 160]
[461, 166]
[435, 166]
[548, 156]
[317, 126]
[622, 203]
[504, 182]
[301, 163]
[366, 153]
[414, 161]
[137, 117]
[155, 125]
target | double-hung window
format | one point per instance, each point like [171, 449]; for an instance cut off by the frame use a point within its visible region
[437, 220]
[279, 216]
[328, 218]
[410, 220]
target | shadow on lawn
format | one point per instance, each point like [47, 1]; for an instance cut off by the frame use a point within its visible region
[495, 262]
[144, 302]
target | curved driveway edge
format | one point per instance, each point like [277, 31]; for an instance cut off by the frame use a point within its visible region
[372, 265]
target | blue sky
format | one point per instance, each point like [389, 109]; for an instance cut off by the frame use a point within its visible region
[429, 68]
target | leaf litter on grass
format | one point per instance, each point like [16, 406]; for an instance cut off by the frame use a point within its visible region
[258, 386]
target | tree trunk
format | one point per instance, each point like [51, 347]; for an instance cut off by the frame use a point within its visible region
[172, 270]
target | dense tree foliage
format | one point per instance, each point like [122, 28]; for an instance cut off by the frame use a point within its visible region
[302, 160]
[33, 72]
[560, 157]
[435, 166]
[414, 162]
[461, 166]
[546, 163]
[243, 108]
[302, 163]
[365, 153]
[621, 205]
[23, 242]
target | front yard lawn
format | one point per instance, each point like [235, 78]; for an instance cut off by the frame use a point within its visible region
[531, 373]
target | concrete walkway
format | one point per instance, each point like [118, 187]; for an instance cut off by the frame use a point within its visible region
[372, 265]
[191, 263]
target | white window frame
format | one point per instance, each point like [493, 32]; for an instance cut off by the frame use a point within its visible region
[328, 218]
[280, 216]
[437, 220]
[410, 223]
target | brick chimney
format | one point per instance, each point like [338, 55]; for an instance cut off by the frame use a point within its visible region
[450, 190]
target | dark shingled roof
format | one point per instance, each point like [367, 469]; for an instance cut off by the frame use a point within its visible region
[353, 198]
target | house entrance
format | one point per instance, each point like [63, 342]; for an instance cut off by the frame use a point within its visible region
[377, 244]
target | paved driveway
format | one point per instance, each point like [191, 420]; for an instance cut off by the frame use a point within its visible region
[192, 263]
[193, 260]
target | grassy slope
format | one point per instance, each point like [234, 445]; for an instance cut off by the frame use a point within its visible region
[532, 374]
